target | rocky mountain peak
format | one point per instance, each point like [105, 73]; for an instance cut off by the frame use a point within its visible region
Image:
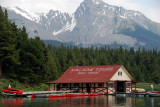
[97, 23]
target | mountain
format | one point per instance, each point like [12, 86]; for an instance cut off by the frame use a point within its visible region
[30, 21]
[93, 23]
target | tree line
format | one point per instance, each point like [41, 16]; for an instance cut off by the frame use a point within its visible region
[143, 65]
[30, 60]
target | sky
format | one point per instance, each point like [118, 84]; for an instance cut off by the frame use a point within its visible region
[150, 8]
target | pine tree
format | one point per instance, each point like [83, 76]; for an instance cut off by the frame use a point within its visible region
[8, 53]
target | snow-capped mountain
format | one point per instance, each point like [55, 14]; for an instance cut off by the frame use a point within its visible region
[27, 14]
[57, 22]
[93, 23]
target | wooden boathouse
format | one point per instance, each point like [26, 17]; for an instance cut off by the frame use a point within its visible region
[105, 79]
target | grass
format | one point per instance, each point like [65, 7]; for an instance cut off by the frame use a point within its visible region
[147, 86]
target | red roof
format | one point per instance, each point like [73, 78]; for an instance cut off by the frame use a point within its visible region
[88, 74]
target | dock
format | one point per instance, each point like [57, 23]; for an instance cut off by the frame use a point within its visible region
[144, 94]
[45, 92]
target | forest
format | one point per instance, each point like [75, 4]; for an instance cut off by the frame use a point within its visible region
[30, 60]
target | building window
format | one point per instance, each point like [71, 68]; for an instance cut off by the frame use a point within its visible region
[65, 85]
[111, 85]
[76, 85]
[100, 85]
[119, 73]
[128, 85]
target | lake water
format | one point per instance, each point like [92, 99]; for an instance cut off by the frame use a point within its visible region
[94, 101]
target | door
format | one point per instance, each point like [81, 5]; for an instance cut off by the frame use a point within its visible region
[120, 87]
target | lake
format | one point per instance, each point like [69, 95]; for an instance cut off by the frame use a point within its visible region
[86, 101]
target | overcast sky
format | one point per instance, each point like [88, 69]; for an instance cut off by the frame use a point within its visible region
[151, 8]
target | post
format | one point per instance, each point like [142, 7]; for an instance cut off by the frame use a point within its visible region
[66, 85]
[107, 87]
[70, 86]
[115, 87]
[135, 87]
[90, 87]
[125, 86]
[102, 87]
[82, 87]
[48, 87]
[54, 86]
[94, 87]
[131, 86]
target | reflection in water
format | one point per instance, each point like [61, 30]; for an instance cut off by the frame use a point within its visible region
[85, 101]
[10, 102]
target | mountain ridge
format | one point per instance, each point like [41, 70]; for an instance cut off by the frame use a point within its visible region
[95, 22]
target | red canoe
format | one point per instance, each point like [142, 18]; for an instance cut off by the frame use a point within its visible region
[12, 91]
[75, 95]
[94, 94]
[57, 95]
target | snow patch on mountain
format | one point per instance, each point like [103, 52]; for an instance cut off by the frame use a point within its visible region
[27, 14]
[68, 27]
[97, 1]
[122, 17]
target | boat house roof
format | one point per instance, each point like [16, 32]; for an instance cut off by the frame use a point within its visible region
[89, 74]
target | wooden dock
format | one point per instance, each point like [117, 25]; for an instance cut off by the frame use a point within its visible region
[144, 94]
[45, 92]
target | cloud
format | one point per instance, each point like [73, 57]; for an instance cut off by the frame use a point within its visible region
[128, 4]
[153, 13]
[150, 8]
[43, 5]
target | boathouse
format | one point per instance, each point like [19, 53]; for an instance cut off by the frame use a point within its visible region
[105, 79]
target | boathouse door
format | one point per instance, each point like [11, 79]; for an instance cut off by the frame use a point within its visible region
[120, 87]
[88, 88]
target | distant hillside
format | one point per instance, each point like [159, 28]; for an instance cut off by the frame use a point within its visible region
[57, 43]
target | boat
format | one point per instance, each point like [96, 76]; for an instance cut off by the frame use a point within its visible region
[94, 94]
[75, 94]
[57, 95]
[138, 90]
[12, 92]
[154, 94]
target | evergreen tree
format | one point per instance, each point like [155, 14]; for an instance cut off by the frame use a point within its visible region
[8, 52]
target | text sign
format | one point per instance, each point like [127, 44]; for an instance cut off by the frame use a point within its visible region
[91, 70]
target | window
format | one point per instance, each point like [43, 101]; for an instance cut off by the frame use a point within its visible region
[111, 85]
[100, 85]
[128, 85]
[119, 73]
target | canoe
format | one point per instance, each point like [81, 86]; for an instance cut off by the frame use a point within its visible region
[139, 90]
[154, 94]
[94, 94]
[12, 92]
[75, 95]
[56, 95]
